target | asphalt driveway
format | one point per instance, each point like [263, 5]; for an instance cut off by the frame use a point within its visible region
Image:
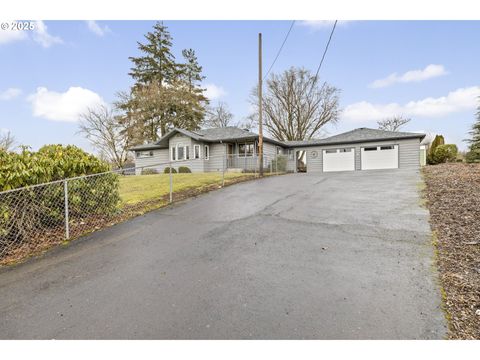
[337, 256]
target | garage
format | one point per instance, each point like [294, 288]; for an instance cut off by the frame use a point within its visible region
[341, 159]
[379, 157]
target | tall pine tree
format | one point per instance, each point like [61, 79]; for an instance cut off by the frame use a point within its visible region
[157, 63]
[165, 94]
[474, 140]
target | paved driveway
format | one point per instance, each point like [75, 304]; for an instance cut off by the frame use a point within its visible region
[337, 256]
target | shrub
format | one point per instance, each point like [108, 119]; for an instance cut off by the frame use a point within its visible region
[473, 156]
[149, 171]
[279, 164]
[184, 170]
[167, 170]
[439, 140]
[445, 153]
[45, 204]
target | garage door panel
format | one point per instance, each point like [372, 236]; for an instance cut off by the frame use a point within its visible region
[379, 157]
[342, 159]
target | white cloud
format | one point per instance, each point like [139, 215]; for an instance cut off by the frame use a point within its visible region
[455, 101]
[8, 36]
[214, 92]
[430, 71]
[41, 35]
[10, 94]
[321, 24]
[94, 27]
[66, 106]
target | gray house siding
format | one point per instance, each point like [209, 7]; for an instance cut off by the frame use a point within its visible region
[216, 158]
[408, 152]
[159, 156]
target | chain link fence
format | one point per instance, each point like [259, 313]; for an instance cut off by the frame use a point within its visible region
[35, 218]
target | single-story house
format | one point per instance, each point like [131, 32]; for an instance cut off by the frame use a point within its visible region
[233, 148]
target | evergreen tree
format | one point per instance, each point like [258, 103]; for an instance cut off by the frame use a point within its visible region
[165, 94]
[474, 141]
[192, 107]
[157, 63]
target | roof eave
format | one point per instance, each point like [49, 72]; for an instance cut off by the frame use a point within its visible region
[419, 136]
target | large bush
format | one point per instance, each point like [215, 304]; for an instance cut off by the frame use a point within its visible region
[41, 207]
[445, 153]
[439, 140]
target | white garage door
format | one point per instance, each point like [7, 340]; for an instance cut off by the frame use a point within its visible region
[339, 159]
[379, 157]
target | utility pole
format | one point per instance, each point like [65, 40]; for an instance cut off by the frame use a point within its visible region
[260, 110]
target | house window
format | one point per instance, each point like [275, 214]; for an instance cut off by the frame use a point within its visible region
[370, 148]
[279, 150]
[187, 152]
[206, 153]
[246, 149]
[196, 151]
[390, 147]
[143, 154]
[180, 152]
[173, 154]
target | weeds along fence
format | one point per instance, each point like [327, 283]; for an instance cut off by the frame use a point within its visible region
[37, 217]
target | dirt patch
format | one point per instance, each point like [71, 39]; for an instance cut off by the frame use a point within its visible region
[453, 198]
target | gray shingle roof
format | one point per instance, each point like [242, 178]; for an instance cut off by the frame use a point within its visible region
[357, 136]
[228, 133]
[231, 133]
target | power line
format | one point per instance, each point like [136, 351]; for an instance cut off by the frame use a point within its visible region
[325, 51]
[323, 58]
[279, 50]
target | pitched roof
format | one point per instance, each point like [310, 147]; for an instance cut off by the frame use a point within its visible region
[228, 133]
[357, 136]
[231, 133]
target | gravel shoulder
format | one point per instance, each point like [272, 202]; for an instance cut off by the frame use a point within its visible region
[453, 198]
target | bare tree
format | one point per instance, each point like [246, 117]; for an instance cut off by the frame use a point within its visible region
[7, 141]
[101, 127]
[296, 106]
[218, 116]
[393, 123]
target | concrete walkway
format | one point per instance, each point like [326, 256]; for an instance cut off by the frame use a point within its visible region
[337, 256]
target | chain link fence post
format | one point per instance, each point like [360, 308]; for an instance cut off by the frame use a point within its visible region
[171, 182]
[67, 225]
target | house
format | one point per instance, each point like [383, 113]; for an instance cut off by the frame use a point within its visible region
[235, 149]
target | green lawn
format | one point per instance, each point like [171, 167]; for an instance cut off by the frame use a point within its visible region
[135, 189]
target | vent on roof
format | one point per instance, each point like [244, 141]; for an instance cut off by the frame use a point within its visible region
[246, 129]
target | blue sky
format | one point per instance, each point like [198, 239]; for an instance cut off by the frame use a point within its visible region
[425, 70]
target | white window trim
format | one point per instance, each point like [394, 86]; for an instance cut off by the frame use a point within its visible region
[244, 155]
[206, 154]
[173, 150]
[141, 154]
[197, 146]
